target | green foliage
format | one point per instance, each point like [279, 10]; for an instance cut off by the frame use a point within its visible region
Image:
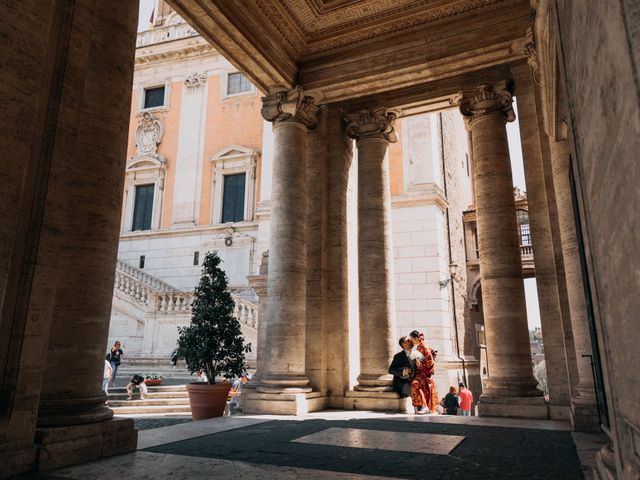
[213, 341]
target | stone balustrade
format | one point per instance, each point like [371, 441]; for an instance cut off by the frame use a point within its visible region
[143, 277]
[154, 295]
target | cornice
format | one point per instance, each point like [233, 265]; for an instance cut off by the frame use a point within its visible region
[430, 194]
[181, 49]
[240, 227]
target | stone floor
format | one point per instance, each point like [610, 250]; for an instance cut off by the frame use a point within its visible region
[353, 445]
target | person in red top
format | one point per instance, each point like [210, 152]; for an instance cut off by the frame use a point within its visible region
[466, 399]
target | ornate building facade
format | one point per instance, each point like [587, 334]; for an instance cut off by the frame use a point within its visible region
[199, 178]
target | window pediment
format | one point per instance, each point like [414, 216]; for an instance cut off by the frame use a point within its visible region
[234, 151]
[144, 162]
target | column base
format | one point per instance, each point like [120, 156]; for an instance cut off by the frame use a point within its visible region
[63, 446]
[513, 407]
[378, 401]
[283, 403]
[283, 383]
[584, 415]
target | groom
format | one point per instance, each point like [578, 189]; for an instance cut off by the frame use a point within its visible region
[403, 368]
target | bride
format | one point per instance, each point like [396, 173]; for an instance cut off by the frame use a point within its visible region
[423, 390]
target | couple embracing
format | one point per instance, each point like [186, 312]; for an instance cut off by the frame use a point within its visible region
[412, 371]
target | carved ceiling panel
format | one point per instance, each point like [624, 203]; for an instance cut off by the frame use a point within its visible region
[328, 24]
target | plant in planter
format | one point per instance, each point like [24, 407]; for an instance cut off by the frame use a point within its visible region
[213, 341]
[152, 379]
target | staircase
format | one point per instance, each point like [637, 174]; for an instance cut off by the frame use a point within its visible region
[172, 400]
[152, 309]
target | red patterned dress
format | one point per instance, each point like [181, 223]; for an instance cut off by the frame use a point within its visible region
[423, 388]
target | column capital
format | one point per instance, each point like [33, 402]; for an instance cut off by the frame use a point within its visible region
[290, 106]
[486, 98]
[375, 123]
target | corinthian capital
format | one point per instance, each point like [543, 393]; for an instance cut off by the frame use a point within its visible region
[290, 105]
[377, 123]
[486, 99]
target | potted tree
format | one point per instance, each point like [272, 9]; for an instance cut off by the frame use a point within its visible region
[212, 342]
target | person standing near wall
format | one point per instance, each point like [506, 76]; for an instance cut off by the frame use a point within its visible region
[466, 399]
[115, 358]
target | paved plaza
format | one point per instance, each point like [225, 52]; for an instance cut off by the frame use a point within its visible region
[354, 445]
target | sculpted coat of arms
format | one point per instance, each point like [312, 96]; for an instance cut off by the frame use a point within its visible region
[148, 136]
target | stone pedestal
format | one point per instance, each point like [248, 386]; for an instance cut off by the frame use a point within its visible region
[73, 422]
[61, 446]
[283, 403]
[583, 402]
[373, 131]
[486, 110]
[377, 401]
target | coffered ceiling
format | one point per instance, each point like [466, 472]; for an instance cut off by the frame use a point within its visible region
[344, 48]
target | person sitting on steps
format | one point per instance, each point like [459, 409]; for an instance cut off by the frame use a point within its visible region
[137, 381]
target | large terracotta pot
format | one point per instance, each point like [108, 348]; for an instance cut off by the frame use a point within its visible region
[207, 401]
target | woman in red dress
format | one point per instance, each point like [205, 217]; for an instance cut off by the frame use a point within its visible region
[423, 390]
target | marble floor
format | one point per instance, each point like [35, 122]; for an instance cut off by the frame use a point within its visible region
[350, 445]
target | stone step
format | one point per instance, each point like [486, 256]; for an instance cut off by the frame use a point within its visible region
[148, 402]
[156, 389]
[152, 409]
[151, 395]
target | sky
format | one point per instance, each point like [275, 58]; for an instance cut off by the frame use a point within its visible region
[513, 134]
[146, 7]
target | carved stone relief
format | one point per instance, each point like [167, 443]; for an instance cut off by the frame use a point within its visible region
[195, 80]
[148, 135]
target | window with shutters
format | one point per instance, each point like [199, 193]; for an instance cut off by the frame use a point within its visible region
[523, 226]
[233, 198]
[143, 207]
[234, 184]
[237, 83]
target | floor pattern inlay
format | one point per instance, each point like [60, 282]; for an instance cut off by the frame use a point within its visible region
[384, 440]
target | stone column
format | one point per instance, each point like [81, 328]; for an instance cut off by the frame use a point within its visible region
[293, 113]
[71, 392]
[259, 285]
[511, 388]
[584, 410]
[543, 248]
[373, 131]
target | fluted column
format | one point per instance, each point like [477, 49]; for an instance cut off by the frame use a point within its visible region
[293, 113]
[373, 131]
[584, 412]
[486, 109]
[71, 390]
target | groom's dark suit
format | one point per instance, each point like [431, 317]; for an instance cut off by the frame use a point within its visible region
[402, 385]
